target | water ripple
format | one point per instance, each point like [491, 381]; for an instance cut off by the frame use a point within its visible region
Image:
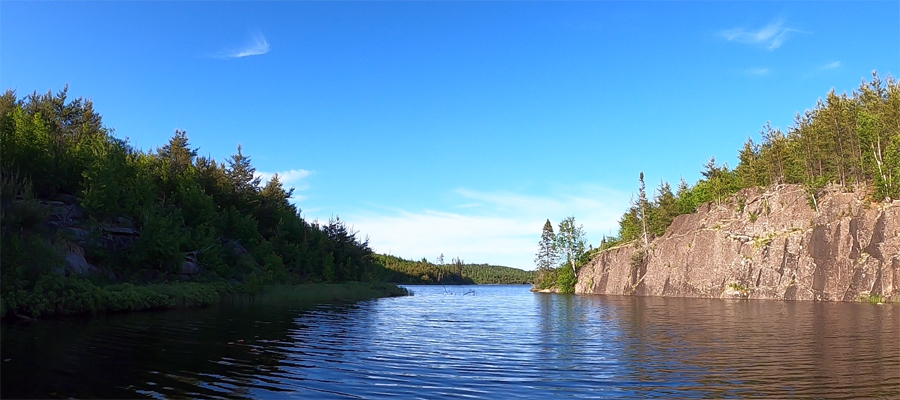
[502, 342]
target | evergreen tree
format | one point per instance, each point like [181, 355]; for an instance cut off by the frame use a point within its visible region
[275, 192]
[178, 152]
[748, 171]
[664, 209]
[547, 255]
[643, 207]
[242, 174]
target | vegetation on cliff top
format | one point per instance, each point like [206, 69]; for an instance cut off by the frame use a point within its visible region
[848, 140]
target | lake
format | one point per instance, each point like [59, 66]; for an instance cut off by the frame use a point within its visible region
[482, 342]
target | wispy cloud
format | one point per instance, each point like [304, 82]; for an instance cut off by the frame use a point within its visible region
[772, 36]
[832, 65]
[493, 227]
[285, 177]
[258, 46]
[758, 71]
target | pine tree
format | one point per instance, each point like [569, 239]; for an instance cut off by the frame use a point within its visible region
[748, 172]
[664, 209]
[274, 191]
[178, 152]
[242, 173]
[643, 206]
[546, 256]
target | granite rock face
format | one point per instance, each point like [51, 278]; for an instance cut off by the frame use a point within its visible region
[760, 244]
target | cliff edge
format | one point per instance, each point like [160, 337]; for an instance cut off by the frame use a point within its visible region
[763, 244]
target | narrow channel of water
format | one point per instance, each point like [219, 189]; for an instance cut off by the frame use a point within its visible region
[486, 342]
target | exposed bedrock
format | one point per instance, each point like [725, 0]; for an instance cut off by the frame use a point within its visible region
[763, 245]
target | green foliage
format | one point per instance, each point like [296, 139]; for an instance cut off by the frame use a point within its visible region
[571, 243]
[569, 247]
[547, 254]
[664, 209]
[737, 287]
[398, 270]
[845, 140]
[565, 279]
[59, 295]
[546, 279]
[167, 206]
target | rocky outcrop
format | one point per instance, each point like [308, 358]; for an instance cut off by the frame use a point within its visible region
[762, 245]
[75, 263]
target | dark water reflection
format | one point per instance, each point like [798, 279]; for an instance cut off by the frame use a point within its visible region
[501, 342]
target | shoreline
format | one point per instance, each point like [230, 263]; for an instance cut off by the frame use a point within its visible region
[77, 296]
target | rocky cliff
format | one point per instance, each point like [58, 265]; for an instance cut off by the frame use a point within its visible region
[760, 244]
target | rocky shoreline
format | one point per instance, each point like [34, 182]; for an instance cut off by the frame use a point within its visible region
[763, 244]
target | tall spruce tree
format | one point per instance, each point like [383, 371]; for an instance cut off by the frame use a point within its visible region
[546, 256]
[664, 209]
[275, 191]
[643, 207]
[178, 152]
[242, 173]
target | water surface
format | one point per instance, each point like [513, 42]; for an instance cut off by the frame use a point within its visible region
[486, 342]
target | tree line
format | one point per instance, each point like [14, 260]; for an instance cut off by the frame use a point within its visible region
[457, 272]
[178, 204]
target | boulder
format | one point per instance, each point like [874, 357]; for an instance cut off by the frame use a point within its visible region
[190, 268]
[234, 247]
[62, 214]
[75, 263]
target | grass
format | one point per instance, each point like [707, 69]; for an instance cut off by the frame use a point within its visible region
[55, 295]
[743, 290]
[873, 298]
[753, 216]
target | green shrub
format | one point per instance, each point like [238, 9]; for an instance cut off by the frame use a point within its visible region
[565, 279]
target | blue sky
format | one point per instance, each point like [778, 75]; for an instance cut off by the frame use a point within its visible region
[453, 127]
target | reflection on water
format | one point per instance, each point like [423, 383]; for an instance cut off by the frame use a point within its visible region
[501, 342]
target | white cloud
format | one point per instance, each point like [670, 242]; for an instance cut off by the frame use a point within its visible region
[758, 71]
[489, 227]
[291, 179]
[772, 36]
[290, 176]
[832, 65]
[257, 46]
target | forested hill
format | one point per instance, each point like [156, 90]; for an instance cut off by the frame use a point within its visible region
[80, 202]
[457, 272]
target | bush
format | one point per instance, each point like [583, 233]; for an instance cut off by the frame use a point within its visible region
[565, 279]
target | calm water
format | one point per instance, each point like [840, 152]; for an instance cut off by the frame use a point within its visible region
[497, 342]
